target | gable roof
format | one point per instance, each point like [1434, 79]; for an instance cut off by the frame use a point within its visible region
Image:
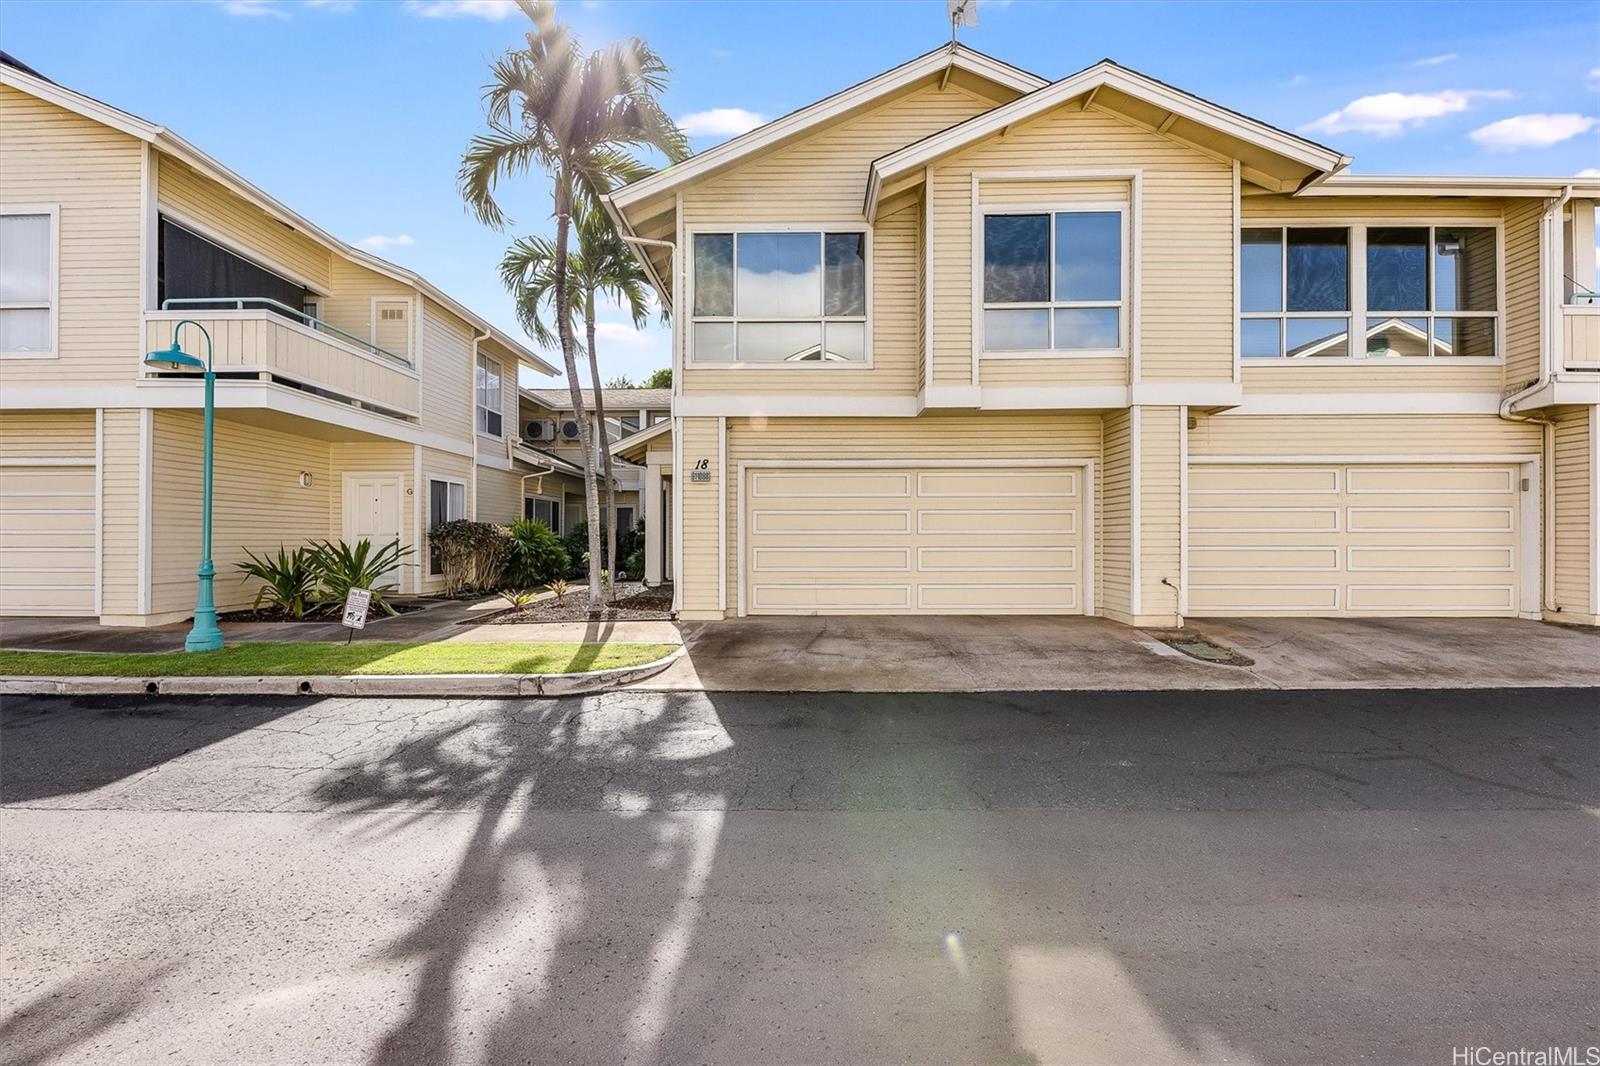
[1318, 159]
[636, 446]
[23, 79]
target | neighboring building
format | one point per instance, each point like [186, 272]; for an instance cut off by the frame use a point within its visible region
[958, 339]
[546, 423]
[354, 398]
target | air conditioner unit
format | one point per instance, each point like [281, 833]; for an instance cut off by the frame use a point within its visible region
[540, 431]
[570, 430]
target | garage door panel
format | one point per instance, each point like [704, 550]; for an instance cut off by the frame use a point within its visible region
[1264, 598]
[1041, 484]
[830, 597]
[765, 520]
[1412, 481]
[1051, 558]
[47, 539]
[49, 480]
[778, 559]
[999, 597]
[1488, 557]
[997, 522]
[1258, 480]
[1232, 557]
[1431, 521]
[1435, 598]
[1265, 519]
[830, 484]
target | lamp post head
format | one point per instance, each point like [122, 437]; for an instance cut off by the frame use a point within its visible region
[173, 358]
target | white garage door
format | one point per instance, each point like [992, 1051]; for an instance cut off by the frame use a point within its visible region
[1353, 539]
[47, 540]
[915, 539]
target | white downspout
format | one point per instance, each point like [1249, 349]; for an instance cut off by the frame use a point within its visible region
[472, 426]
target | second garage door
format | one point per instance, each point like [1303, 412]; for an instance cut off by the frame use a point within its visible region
[1337, 539]
[915, 539]
[47, 540]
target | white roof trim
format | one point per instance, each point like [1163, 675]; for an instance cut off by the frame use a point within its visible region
[182, 150]
[1449, 185]
[915, 156]
[822, 111]
[633, 440]
[534, 457]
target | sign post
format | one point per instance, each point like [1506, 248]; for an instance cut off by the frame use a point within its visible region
[356, 603]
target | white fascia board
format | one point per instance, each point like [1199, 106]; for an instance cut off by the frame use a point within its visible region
[1449, 185]
[624, 227]
[822, 111]
[813, 405]
[1367, 403]
[1104, 73]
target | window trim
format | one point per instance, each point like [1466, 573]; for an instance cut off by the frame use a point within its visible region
[690, 232]
[427, 529]
[559, 503]
[479, 423]
[1124, 211]
[53, 211]
[1358, 225]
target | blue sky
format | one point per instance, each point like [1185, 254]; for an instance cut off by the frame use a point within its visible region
[378, 97]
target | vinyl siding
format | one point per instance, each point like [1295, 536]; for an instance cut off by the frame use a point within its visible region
[1522, 292]
[48, 554]
[443, 466]
[1159, 506]
[1114, 516]
[348, 304]
[1341, 435]
[1185, 259]
[446, 365]
[92, 173]
[258, 234]
[698, 517]
[1575, 477]
[499, 495]
[120, 494]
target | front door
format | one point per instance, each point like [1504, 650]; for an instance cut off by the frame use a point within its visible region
[372, 509]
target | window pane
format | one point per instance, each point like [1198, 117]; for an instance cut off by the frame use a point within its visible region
[713, 342]
[1464, 269]
[1391, 338]
[844, 277]
[1025, 330]
[780, 342]
[1468, 338]
[1261, 270]
[458, 500]
[438, 503]
[1016, 259]
[1317, 338]
[780, 274]
[1086, 327]
[713, 273]
[1319, 270]
[847, 342]
[25, 329]
[1088, 256]
[25, 259]
[1259, 338]
[1397, 269]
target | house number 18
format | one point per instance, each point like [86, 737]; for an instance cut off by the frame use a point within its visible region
[701, 471]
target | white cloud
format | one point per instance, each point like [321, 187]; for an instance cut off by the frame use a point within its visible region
[379, 242]
[493, 10]
[1531, 131]
[622, 333]
[254, 8]
[1589, 172]
[1592, 79]
[1391, 114]
[336, 6]
[720, 122]
[1298, 79]
[721, 53]
[1434, 61]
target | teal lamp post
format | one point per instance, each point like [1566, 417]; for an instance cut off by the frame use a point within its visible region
[205, 635]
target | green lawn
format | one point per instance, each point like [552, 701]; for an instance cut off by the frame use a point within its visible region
[368, 657]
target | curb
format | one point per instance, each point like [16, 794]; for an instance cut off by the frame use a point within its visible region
[438, 685]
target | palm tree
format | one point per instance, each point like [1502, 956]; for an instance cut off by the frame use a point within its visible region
[600, 266]
[578, 116]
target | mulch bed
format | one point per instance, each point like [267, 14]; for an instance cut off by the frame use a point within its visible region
[634, 603]
[274, 615]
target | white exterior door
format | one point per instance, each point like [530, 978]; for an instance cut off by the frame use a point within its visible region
[1354, 539]
[373, 504]
[916, 539]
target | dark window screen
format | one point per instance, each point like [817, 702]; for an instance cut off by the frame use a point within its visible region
[189, 267]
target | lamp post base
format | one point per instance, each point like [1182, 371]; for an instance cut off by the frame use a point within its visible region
[205, 634]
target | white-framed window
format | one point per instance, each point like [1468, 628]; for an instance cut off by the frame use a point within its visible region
[543, 510]
[781, 297]
[1055, 282]
[1427, 291]
[447, 502]
[488, 396]
[29, 271]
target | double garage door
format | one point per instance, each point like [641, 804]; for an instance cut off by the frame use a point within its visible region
[1340, 539]
[47, 539]
[915, 539]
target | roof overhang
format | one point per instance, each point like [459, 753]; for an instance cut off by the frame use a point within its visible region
[533, 457]
[172, 144]
[1421, 185]
[1274, 158]
[636, 446]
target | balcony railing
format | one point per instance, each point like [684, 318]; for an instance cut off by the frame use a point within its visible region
[1580, 336]
[301, 351]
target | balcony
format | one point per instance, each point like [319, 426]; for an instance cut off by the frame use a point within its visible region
[1580, 337]
[287, 347]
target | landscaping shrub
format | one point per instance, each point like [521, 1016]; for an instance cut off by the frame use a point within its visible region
[470, 552]
[288, 582]
[576, 543]
[340, 567]
[535, 555]
[633, 566]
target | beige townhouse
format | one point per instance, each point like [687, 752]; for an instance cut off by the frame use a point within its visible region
[548, 424]
[355, 399]
[960, 339]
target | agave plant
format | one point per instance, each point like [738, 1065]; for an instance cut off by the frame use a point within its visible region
[288, 582]
[341, 567]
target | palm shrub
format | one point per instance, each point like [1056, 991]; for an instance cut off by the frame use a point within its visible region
[340, 567]
[535, 555]
[288, 582]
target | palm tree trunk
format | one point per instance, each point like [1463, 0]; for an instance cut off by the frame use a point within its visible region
[591, 498]
[605, 444]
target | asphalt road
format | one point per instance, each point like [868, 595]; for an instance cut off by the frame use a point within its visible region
[1243, 877]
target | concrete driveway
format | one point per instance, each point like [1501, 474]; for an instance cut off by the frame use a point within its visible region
[986, 654]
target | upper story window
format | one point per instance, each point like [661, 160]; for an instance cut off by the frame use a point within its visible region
[28, 282]
[779, 298]
[1418, 291]
[1054, 282]
[488, 396]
